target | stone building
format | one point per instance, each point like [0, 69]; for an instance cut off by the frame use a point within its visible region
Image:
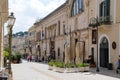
[3, 19]
[50, 33]
[31, 40]
[106, 12]
[19, 42]
[71, 23]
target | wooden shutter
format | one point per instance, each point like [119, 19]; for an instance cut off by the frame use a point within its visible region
[107, 3]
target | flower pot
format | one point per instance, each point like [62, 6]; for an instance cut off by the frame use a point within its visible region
[87, 68]
[15, 61]
[72, 70]
[81, 69]
[59, 69]
[50, 67]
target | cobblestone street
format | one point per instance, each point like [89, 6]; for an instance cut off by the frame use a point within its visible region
[39, 71]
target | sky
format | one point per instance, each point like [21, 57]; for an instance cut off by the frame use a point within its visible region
[28, 11]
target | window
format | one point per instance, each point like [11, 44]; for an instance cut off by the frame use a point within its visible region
[104, 8]
[42, 33]
[58, 51]
[77, 7]
[58, 27]
[64, 29]
[104, 12]
[80, 5]
[45, 33]
[76, 40]
[54, 32]
[94, 36]
[30, 33]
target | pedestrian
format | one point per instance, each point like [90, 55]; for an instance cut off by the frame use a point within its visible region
[90, 59]
[118, 65]
[30, 58]
[33, 58]
[42, 58]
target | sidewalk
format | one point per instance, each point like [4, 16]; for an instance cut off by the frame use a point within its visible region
[105, 71]
[39, 71]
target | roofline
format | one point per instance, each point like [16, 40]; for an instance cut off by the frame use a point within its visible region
[60, 7]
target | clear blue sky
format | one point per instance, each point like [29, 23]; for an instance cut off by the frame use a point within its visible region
[28, 11]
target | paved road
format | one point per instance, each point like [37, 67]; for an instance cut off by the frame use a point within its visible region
[37, 71]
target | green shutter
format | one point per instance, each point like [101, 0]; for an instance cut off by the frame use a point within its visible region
[101, 10]
[107, 7]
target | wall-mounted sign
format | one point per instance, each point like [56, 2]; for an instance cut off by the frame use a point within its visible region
[114, 45]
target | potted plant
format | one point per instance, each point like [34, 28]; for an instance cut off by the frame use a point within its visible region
[71, 67]
[16, 58]
[83, 66]
[59, 66]
[51, 64]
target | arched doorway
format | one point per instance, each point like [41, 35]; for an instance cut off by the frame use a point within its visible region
[104, 52]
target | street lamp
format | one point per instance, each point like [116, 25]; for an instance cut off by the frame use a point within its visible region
[94, 23]
[11, 21]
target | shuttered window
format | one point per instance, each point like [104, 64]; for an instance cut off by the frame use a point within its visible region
[105, 8]
[77, 7]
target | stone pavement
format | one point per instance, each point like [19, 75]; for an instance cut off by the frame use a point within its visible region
[39, 71]
[105, 71]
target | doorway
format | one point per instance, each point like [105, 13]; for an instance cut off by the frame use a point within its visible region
[104, 52]
[52, 50]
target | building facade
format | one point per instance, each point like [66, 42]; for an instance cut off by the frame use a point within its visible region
[70, 23]
[50, 33]
[3, 19]
[31, 41]
[108, 41]
[19, 42]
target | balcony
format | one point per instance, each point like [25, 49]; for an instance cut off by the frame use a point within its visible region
[105, 20]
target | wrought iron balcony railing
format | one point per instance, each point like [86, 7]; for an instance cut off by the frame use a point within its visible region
[106, 20]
